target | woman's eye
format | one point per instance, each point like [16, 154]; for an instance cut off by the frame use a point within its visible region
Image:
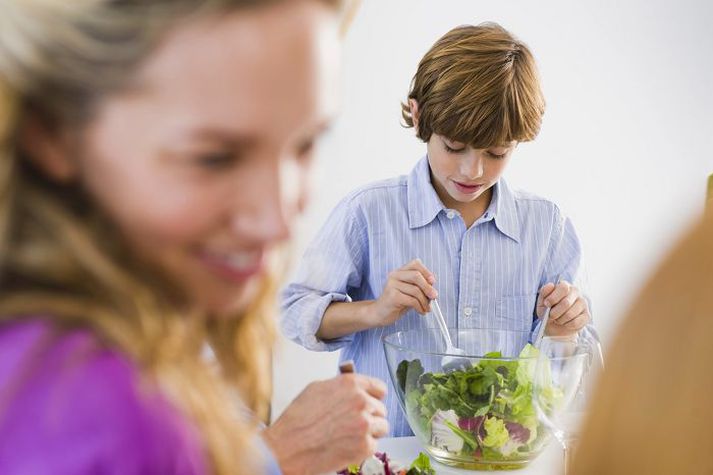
[306, 148]
[216, 159]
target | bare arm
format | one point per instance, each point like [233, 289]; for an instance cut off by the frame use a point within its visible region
[411, 286]
[345, 318]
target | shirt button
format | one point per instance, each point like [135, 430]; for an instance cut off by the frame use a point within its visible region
[468, 311]
[451, 214]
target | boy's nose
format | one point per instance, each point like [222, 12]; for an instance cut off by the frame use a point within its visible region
[472, 166]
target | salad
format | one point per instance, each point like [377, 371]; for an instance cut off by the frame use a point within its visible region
[380, 464]
[483, 412]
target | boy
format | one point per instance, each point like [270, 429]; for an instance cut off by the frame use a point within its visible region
[452, 229]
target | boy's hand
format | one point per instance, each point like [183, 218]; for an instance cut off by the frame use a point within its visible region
[569, 311]
[410, 286]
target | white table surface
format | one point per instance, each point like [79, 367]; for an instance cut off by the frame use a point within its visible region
[405, 449]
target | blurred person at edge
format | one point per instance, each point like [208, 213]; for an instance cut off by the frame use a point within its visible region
[153, 155]
[652, 411]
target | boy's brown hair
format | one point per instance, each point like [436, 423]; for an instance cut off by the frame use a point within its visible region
[477, 85]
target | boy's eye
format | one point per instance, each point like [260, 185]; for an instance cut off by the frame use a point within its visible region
[450, 149]
[497, 156]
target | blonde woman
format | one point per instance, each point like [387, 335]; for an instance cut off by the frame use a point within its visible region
[153, 155]
[652, 413]
[452, 228]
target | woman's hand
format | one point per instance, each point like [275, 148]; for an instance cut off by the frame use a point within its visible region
[410, 286]
[330, 425]
[569, 310]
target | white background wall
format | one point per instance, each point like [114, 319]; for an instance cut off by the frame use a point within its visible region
[625, 147]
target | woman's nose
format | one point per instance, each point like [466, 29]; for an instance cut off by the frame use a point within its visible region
[267, 206]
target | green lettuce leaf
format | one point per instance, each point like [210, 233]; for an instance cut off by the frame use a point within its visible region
[496, 434]
[499, 390]
[467, 437]
[421, 466]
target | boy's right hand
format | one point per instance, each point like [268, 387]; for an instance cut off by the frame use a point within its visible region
[410, 286]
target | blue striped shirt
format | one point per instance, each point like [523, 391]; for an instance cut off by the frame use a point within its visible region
[487, 276]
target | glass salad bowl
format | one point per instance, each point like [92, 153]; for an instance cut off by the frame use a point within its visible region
[471, 411]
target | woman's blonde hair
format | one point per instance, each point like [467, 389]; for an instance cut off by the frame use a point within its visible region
[59, 256]
[652, 413]
[477, 85]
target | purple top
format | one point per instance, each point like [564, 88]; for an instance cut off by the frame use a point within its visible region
[70, 406]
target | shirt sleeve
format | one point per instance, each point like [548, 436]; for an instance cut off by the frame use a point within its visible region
[332, 267]
[270, 461]
[564, 261]
[74, 411]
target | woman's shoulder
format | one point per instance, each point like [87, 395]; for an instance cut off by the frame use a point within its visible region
[81, 405]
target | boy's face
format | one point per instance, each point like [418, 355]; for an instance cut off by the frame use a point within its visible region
[463, 176]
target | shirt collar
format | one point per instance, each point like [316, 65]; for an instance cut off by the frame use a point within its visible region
[503, 210]
[423, 202]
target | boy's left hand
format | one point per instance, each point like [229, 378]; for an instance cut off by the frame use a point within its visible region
[569, 310]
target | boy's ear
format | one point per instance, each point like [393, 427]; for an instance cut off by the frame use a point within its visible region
[47, 149]
[413, 105]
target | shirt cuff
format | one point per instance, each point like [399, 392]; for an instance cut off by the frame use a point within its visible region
[309, 327]
[271, 465]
